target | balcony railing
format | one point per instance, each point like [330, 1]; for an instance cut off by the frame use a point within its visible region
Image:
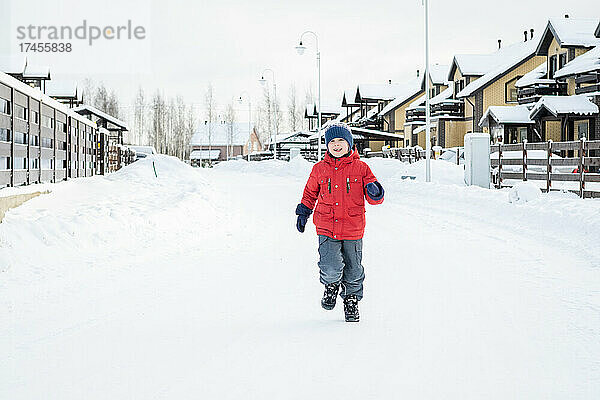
[588, 83]
[415, 115]
[532, 93]
[449, 108]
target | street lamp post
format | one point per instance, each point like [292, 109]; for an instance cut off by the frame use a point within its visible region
[427, 94]
[300, 48]
[249, 114]
[263, 82]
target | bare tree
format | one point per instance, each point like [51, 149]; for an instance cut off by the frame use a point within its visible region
[294, 122]
[88, 91]
[139, 110]
[209, 102]
[190, 128]
[265, 120]
[230, 120]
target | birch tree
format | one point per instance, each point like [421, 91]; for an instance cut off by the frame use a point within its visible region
[209, 102]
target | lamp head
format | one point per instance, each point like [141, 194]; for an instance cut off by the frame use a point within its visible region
[300, 48]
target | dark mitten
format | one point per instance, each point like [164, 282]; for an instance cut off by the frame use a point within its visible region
[303, 213]
[374, 190]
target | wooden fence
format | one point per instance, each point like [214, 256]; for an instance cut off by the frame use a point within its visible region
[580, 154]
[406, 154]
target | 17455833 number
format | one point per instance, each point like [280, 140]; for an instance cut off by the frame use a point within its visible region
[46, 47]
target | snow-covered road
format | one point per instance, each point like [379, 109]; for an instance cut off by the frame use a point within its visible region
[196, 284]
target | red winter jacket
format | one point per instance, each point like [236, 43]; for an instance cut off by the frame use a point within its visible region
[338, 187]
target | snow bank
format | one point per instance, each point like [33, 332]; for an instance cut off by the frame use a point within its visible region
[168, 169]
[523, 192]
[298, 167]
[118, 211]
[442, 172]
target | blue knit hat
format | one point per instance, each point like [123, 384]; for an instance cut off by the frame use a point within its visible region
[339, 130]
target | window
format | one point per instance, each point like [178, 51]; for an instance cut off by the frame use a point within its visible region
[20, 137]
[562, 60]
[458, 86]
[34, 163]
[510, 91]
[4, 106]
[47, 163]
[20, 163]
[47, 121]
[47, 143]
[34, 140]
[20, 112]
[61, 127]
[64, 164]
[582, 130]
[62, 145]
[35, 117]
[552, 66]
[5, 135]
[4, 163]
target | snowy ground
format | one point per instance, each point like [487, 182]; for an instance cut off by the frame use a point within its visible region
[196, 284]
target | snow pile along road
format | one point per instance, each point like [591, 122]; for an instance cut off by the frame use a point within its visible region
[195, 284]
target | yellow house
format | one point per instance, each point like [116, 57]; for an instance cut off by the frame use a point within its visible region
[495, 88]
[393, 115]
[564, 41]
[540, 116]
[414, 125]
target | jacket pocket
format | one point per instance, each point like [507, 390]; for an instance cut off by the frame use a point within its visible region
[355, 190]
[325, 191]
[356, 211]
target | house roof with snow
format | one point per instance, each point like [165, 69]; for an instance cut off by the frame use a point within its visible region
[423, 128]
[518, 114]
[212, 154]
[508, 60]
[17, 65]
[569, 32]
[444, 95]
[312, 110]
[405, 93]
[38, 95]
[481, 64]
[557, 105]
[349, 98]
[384, 91]
[587, 62]
[438, 74]
[91, 110]
[537, 75]
[63, 89]
[219, 134]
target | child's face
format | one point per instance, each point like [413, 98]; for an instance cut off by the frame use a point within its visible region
[338, 147]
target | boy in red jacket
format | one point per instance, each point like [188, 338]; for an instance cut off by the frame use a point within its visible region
[339, 185]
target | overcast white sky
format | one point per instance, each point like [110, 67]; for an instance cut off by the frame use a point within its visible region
[229, 43]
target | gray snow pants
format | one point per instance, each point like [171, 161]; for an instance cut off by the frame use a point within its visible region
[340, 261]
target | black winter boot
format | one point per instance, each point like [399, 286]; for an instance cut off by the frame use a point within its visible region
[351, 308]
[330, 295]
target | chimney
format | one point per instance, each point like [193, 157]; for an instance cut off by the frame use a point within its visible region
[531, 33]
[417, 73]
[566, 15]
[525, 33]
[499, 43]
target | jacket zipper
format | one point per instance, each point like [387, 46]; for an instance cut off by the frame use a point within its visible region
[329, 185]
